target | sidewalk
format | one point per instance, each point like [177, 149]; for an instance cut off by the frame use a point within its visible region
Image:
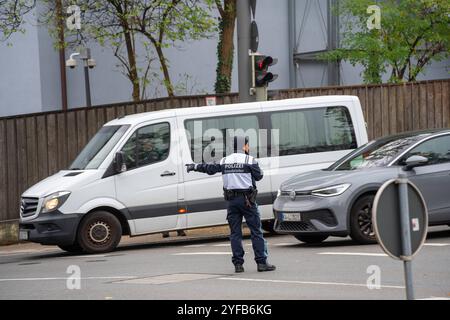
[194, 234]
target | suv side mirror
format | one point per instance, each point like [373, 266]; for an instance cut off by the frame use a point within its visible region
[414, 161]
[119, 162]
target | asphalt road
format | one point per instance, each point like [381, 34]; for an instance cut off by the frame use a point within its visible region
[201, 269]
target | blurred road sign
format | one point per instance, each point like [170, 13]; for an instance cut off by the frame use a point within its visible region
[211, 101]
[400, 222]
[387, 221]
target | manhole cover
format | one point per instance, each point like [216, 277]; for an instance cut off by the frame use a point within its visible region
[171, 278]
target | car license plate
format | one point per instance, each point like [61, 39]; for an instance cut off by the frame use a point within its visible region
[23, 235]
[292, 217]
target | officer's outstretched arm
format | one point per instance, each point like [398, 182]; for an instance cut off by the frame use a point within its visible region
[208, 168]
[256, 170]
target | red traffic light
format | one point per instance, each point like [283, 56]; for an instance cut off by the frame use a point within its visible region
[261, 76]
[263, 62]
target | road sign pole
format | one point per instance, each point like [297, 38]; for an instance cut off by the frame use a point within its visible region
[405, 234]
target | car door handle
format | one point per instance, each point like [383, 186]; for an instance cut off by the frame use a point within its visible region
[167, 174]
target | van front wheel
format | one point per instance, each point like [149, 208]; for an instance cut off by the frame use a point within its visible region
[99, 232]
[74, 248]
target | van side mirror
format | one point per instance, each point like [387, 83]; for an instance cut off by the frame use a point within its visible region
[119, 162]
[414, 161]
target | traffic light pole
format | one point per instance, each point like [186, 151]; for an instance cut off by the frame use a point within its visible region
[261, 94]
[244, 41]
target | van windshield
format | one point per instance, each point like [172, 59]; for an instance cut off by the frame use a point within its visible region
[98, 148]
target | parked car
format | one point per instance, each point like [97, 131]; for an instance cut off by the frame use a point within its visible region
[131, 179]
[337, 201]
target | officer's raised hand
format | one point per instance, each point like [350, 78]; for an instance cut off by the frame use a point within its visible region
[190, 167]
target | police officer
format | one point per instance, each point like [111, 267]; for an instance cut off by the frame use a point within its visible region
[240, 171]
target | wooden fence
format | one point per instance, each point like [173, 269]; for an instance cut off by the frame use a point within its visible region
[34, 146]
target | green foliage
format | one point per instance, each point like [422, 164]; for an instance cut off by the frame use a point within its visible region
[11, 16]
[225, 51]
[223, 82]
[413, 33]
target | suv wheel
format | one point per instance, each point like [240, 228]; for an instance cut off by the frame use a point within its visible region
[361, 228]
[99, 232]
[311, 238]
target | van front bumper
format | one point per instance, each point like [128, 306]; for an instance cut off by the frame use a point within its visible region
[53, 228]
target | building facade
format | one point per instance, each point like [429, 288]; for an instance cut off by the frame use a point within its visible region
[291, 30]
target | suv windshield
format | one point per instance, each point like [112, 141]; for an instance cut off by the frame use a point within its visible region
[378, 153]
[98, 148]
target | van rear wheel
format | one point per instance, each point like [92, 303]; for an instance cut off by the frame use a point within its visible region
[99, 232]
[268, 225]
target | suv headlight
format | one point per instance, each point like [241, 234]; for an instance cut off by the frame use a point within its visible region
[331, 191]
[54, 201]
[278, 193]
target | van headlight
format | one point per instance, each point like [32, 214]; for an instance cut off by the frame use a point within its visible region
[54, 201]
[331, 191]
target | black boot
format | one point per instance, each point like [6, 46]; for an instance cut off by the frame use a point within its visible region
[262, 267]
[239, 268]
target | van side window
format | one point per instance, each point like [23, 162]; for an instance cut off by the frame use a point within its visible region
[313, 130]
[149, 144]
[129, 149]
[210, 138]
[437, 150]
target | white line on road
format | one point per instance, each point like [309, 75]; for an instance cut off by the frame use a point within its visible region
[222, 245]
[65, 278]
[437, 244]
[310, 282]
[354, 254]
[284, 244]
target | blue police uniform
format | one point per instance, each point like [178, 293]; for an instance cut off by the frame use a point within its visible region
[240, 173]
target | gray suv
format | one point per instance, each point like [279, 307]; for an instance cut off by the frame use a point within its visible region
[338, 201]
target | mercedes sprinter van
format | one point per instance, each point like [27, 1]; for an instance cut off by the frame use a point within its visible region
[130, 179]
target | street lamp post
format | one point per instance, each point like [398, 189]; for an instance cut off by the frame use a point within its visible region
[89, 63]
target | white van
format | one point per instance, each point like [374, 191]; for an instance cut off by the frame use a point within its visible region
[130, 179]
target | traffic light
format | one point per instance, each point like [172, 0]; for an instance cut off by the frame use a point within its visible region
[261, 75]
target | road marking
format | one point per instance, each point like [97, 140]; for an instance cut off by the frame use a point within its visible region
[354, 254]
[201, 253]
[311, 282]
[285, 244]
[435, 298]
[65, 278]
[222, 245]
[437, 244]
[195, 246]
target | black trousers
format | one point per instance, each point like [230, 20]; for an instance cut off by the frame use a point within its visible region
[237, 210]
